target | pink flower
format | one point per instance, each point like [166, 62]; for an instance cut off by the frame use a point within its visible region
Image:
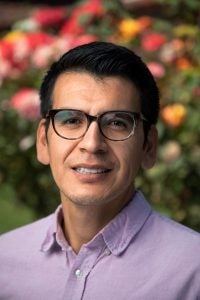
[156, 69]
[82, 39]
[45, 54]
[21, 50]
[153, 41]
[42, 56]
[196, 91]
[60, 46]
[5, 69]
[11, 64]
[172, 50]
[171, 151]
[26, 103]
[49, 16]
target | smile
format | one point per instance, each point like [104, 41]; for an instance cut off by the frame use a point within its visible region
[91, 170]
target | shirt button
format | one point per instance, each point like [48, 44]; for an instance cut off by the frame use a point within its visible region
[78, 273]
[107, 252]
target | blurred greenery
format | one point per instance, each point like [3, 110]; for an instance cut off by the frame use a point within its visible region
[27, 190]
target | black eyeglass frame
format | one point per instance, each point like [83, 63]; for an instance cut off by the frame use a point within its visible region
[136, 117]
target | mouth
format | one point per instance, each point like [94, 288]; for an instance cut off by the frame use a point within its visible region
[84, 170]
[91, 174]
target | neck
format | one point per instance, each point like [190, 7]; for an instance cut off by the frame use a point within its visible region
[82, 223]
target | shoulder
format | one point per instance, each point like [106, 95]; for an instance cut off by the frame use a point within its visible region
[173, 234]
[161, 229]
[29, 234]
[170, 225]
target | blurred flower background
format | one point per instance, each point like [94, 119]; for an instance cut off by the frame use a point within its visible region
[166, 34]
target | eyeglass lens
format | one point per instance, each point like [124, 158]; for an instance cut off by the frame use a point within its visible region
[73, 124]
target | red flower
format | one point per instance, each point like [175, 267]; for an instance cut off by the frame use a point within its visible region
[6, 50]
[153, 41]
[93, 7]
[35, 39]
[49, 16]
[89, 9]
[72, 26]
[26, 103]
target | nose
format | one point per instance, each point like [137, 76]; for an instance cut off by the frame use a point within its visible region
[93, 141]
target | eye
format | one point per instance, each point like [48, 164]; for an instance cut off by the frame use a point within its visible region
[69, 119]
[117, 123]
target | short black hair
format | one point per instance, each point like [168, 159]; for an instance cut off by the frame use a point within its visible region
[103, 59]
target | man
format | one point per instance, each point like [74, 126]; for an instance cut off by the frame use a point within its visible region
[99, 106]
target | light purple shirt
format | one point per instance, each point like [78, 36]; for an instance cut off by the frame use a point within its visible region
[139, 255]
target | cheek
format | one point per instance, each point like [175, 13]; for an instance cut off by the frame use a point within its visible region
[130, 159]
[59, 151]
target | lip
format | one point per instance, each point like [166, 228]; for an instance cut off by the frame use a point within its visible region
[90, 173]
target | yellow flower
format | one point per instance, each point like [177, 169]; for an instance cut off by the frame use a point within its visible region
[13, 36]
[129, 28]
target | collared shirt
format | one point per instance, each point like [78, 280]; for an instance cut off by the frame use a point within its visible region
[139, 255]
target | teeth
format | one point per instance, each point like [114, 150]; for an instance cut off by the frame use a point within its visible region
[91, 171]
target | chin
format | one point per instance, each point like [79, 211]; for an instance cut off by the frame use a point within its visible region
[87, 200]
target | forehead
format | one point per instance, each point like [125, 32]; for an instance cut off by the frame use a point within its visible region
[73, 89]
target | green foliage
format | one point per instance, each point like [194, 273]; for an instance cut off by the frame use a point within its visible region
[13, 213]
[184, 9]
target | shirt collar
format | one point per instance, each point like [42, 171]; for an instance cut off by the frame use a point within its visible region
[54, 234]
[117, 234]
[124, 227]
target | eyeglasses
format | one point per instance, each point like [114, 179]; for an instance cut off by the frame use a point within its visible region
[72, 124]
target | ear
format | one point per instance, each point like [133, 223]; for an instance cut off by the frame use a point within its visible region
[150, 148]
[42, 144]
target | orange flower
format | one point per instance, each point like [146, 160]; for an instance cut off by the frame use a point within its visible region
[183, 63]
[129, 28]
[174, 114]
[178, 45]
[145, 22]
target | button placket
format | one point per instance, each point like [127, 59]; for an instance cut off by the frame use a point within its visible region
[83, 264]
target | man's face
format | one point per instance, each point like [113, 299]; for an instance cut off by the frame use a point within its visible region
[76, 164]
